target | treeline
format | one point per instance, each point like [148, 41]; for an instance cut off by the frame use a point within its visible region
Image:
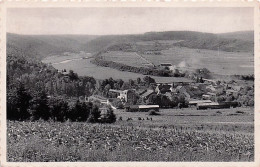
[246, 77]
[168, 102]
[123, 67]
[21, 105]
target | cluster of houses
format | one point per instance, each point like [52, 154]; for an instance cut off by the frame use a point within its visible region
[211, 88]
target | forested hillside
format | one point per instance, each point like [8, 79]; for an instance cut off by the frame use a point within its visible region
[38, 91]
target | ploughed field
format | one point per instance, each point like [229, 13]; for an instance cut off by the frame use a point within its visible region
[161, 139]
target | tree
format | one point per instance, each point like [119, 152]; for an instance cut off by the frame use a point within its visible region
[72, 75]
[39, 106]
[79, 112]
[12, 112]
[138, 80]
[23, 102]
[148, 80]
[109, 117]
[59, 109]
[126, 86]
[94, 114]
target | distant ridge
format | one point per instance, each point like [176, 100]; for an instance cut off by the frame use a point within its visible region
[45, 45]
[243, 35]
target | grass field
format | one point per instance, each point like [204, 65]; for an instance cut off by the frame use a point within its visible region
[84, 67]
[128, 58]
[170, 136]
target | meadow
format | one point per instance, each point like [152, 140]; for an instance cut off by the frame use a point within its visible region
[170, 136]
[128, 58]
[83, 67]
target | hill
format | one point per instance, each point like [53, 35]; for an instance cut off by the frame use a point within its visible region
[242, 35]
[42, 46]
[188, 39]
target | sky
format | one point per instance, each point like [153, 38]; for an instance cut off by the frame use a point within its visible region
[105, 21]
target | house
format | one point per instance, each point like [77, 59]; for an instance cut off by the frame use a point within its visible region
[236, 88]
[206, 97]
[210, 88]
[201, 86]
[181, 89]
[210, 81]
[98, 98]
[231, 92]
[219, 89]
[125, 95]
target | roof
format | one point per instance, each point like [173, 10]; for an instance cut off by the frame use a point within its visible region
[199, 101]
[166, 64]
[142, 106]
[179, 87]
[147, 93]
[213, 94]
[210, 80]
[171, 79]
[148, 106]
[236, 87]
[231, 90]
[208, 104]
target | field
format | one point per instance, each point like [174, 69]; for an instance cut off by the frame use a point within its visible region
[218, 62]
[170, 136]
[128, 58]
[84, 67]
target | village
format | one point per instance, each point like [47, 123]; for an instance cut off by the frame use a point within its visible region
[199, 93]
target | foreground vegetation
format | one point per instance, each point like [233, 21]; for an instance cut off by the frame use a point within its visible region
[73, 141]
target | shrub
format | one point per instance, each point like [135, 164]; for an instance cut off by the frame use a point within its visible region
[109, 117]
[94, 114]
[153, 112]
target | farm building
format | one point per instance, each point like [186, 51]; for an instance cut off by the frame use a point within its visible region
[215, 105]
[169, 65]
[195, 102]
[98, 98]
[141, 108]
[165, 64]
